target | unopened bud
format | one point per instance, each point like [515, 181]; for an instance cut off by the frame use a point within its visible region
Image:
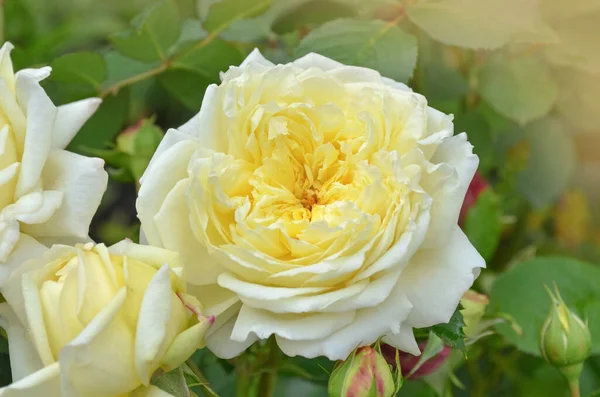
[364, 374]
[474, 305]
[565, 340]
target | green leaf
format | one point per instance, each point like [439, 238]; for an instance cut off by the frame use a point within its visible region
[173, 382]
[521, 89]
[188, 87]
[418, 388]
[225, 12]
[105, 124]
[121, 67]
[483, 225]
[480, 23]
[440, 80]
[153, 32]
[434, 346]
[520, 293]
[209, 60]
[311, 13]
[86, 68]
[480, 136]
[372, 44]
[452, 333]
[551, 164]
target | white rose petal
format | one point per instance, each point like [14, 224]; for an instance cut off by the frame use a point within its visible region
[45, 192]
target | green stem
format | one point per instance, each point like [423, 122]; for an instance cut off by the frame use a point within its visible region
[572, 373]
[269, 375]
[574, 387]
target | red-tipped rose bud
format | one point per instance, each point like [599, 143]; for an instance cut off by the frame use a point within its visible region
[478, 185]
[364, 374]
[408, 362]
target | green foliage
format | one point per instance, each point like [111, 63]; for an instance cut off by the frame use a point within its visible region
[544, 178]
[479, 23]
[483, 224]
[452, 332]
[373, 44]
[223, 13]
[521, 89]
[520, 293]
[80, 68]
[152, 32]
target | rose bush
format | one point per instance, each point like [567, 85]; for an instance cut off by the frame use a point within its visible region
[45, 191]
[316, 202]
[92, 321]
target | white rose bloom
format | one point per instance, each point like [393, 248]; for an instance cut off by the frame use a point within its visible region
[316, 202]
[45, 191]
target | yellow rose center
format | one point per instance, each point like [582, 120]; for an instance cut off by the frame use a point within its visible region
[309, 167]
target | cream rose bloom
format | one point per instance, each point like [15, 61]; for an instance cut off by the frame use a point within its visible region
[316, 202]
[45, 191]
[89, 321]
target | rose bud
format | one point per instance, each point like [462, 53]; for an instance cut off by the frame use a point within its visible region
[478, 185]
[565, 340]
[474, 305]
[365, 373]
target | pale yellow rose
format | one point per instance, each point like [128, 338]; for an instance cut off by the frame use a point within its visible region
[316, 202]
[92, 321]
[45, 191]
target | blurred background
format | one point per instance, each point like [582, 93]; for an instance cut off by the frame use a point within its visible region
[522, 78]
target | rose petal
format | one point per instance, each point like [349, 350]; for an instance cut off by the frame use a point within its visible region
[45, 382]
[82, 181]
[69, 120]
[368, 326]
[436, 279]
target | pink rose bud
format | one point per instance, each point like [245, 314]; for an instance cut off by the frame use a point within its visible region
[365, 373]
[408, 361]
[478, 185]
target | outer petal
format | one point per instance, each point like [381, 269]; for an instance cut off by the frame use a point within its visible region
[24, 359]
[151, 333]
[171, 138]
[41, 114]
[43, 383]
[292, 326]
[404, 340]
[82, 180]
[457, 153]
[26, 248]
[369, 325]
[436, 279]
[221, 344]
[70, 118]
[101, 351]
[169, 169]
[173, 226]
[6, 68]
